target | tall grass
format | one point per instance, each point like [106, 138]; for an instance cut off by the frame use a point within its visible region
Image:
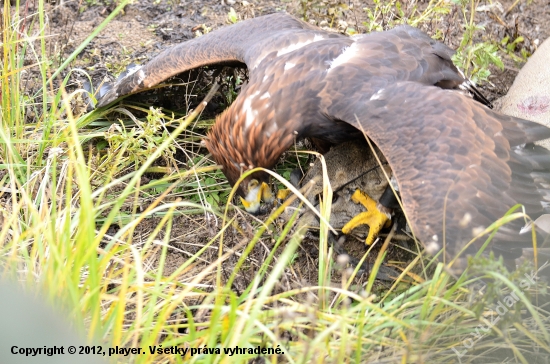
[60, 199]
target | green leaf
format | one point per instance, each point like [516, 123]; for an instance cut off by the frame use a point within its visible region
[232, 16]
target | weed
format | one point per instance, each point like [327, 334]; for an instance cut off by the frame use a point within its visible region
[232, 16]
[387, 14]
[140, 141]
[474, 58]
[509, 46]
[233, 83]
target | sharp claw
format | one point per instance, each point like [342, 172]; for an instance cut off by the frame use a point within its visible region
[373, 217]
[282, 194]
[267, 194]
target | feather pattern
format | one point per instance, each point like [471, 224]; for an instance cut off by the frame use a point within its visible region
[459, 165]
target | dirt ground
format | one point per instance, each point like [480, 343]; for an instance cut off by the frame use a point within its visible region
[148, 26]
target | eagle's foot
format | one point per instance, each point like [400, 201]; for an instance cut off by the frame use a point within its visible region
[373, 217]
[282, 194]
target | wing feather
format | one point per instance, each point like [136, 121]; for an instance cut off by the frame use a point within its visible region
[459, 165]
[247, 42]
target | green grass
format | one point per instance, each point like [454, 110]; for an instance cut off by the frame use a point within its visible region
[61, 195]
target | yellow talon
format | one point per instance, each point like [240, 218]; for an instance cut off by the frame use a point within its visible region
[256, 193]
[373, 217]
[282, 194]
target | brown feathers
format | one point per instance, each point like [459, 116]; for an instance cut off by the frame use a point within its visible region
[459, 165]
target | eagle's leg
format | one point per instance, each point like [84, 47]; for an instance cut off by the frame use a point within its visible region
[283, 193]
[376, 217]
[295, 178]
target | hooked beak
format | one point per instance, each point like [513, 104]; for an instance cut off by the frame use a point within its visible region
[255, 195]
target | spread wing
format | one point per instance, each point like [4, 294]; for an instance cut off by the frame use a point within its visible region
[248, 42]
[459, 165]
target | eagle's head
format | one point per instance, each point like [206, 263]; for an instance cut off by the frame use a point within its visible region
[238, 147]
[253, 189]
